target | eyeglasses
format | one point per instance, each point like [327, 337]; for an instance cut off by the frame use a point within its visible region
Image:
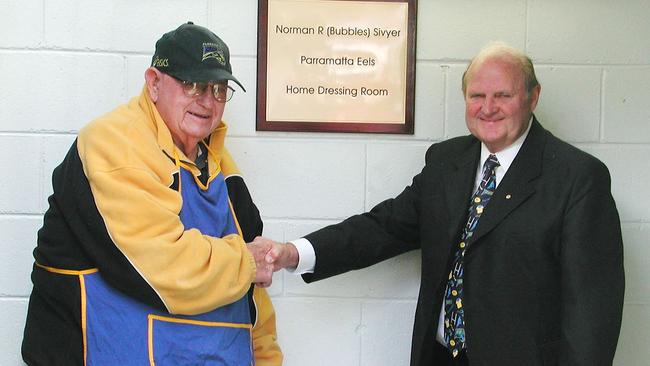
[222, 92]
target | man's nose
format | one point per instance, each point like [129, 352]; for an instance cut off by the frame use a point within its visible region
[489, 105]
[207, 98]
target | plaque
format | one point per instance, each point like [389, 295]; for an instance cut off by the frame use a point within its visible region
[336, 66]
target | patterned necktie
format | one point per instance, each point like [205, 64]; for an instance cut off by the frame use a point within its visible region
[454, 311]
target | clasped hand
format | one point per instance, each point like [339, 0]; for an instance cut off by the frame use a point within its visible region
[271, 256]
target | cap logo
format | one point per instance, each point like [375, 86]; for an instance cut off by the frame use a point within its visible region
[215, 51]
[161, 62]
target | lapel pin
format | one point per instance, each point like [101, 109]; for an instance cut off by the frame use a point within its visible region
[508, 196]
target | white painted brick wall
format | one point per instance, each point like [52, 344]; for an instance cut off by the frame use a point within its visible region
[456, 30]
[637, 260]
[391, 167]
[589, 31]
[12, 317]
[319, 331]
[53, 149]
[135, 67]
[22, 23]
[241, 110]
[58, 91]
[20, 184]
[633, 342]
[570, 102]
[383, 322]
[66, 62]
[628, 166]
[116, 25]
[455, 106]
[627, 111]
[429, 101]
[330, 173]
[236, 24]
[19, 236]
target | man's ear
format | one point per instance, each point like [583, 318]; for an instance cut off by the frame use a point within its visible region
[534, 97]
[153, 78]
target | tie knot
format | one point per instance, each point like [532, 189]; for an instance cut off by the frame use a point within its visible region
[491, 162]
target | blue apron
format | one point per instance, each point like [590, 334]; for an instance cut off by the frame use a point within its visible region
[122, 331]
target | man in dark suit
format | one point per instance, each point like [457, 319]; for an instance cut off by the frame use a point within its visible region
[522, 258]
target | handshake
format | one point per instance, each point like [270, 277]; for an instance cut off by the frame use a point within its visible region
[271, 256]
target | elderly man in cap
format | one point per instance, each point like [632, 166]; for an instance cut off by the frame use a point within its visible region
[142, 257]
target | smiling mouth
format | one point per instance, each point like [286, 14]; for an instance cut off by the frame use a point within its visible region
[204, 116]
[491, 120]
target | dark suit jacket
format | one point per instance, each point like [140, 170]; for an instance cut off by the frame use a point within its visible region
[544, 277]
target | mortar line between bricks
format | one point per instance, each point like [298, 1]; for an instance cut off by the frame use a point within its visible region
[602, 101]
[636, 303]
[13, 215]
[442, 61]
[392, 140]
[36, 133]
[290, 295]
[85, 51]
[13, 297]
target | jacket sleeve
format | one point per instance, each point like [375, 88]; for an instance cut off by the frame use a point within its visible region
[592, 271]
[389, 229]
[265, 346]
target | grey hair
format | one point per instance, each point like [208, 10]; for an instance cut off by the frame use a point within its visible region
[502, 51]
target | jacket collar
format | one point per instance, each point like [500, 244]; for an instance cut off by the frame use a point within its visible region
[516, 186]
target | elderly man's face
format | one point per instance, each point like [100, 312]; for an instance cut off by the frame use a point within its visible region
[497, 107]
[189, 119]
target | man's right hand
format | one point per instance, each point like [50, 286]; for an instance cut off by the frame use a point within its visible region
[264, 269]
[280, 255]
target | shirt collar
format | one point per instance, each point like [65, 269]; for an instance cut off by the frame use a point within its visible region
[507, 155]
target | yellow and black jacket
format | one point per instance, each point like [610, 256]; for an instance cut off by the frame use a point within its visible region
[141, 258]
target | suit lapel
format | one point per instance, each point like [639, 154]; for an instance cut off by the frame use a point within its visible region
[515, 187]
[459, 183]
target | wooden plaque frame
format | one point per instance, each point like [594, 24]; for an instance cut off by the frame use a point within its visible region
[343, 124]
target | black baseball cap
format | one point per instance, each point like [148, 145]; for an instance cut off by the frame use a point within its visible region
[193, 53]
